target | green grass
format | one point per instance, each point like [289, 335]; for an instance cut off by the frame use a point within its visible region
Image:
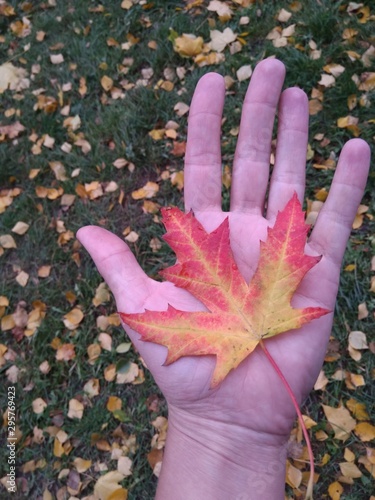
[119, 129]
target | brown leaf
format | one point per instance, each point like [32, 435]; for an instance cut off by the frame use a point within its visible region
[65, 352]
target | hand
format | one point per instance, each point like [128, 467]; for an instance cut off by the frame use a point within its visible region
[251, 402]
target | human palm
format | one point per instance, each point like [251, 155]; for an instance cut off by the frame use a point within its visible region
[252, 395]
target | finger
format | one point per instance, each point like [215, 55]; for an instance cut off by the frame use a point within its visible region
[118, 266]
[202, 190]
[334, 223]
[288, 175]
[252, 157]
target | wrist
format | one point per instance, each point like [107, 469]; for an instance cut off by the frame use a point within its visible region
[215, 460]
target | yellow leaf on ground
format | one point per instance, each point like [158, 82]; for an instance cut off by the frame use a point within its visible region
[22, 278]
[81, 464]
[93, 352]
[349, 469]
[124, 466]
[39, 405]
[365, 431]
[244, 72]
[13, 78]
[7, 241]
[20, 228]
[114, 403]
[188, 45]
[56, 58]
[75, 409]
[92, 387]
[65, 352]
[101, 295]
[341, 421]
[362, 311]
[106, 83]
[107, 485]
[219, 40]
[335, 490]
[358, 409]
[358, 340]
[147, 191]
[73, 318]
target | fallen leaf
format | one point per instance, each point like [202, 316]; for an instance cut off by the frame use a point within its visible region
[39, 405]
[65, 352]
[181, 108]
[56, 58]
[75, 409]
[358, 340]
[365, 431]
[362, 311]
[357, 409]
[81, 464]
[188, 45]
[219, 40]
[113, 403]
[341, 421]
[124, 466]
[101, 295]
[107, 487]
[244, 73]
[73, 318]
[20, 228]
[7, 241]
[147, 191]
[335, 490]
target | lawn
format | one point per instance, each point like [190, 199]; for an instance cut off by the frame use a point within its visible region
[93, 111]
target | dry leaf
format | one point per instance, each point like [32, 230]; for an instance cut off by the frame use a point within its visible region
[105, 341]
[188, 45]
[124, 466]
[181, 108]
[39, 405]
[219, 40]
[75, 409]
[340, 420]
[365, 431]
[284, 16]
[107, 486]
[362, 311]
[147, 191]
[101, 295]
[92, 388]
[335, 490]
[73, 318]
[358, 340]
[56, 58]
[20, 228]
[244, 73]
[65, 352]
[358, 409]
[114, 403]
[7, 241]
[81, 465]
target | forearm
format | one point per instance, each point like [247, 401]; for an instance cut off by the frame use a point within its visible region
[218, 462]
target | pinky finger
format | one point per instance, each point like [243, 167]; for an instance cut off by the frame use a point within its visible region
[334, 223]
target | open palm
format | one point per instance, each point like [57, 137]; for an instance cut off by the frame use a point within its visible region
[251, 396]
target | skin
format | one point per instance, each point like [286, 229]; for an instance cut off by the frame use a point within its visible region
[230, 442]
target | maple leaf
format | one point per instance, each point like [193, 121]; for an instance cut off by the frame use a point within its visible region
[239, 315]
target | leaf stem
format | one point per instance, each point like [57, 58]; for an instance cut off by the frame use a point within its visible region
[309, 491]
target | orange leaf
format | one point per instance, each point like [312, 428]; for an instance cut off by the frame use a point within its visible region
[238, 315]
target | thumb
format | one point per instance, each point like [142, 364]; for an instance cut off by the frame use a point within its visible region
[118, 266]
